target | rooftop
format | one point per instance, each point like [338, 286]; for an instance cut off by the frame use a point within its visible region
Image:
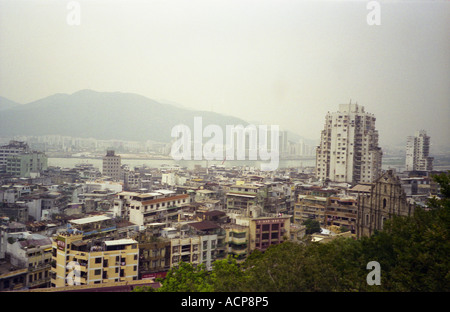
[213, 213]
[204, 225]
[241, 195]
[205, 191]
[361, 188]
[160, 200]
[90, 219]
[124, 241]
[34, 240]
[144, 195]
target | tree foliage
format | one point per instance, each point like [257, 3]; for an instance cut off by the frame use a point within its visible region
[312, 226]
[187, 278]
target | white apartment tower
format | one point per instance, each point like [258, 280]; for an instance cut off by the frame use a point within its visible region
[417, 152]
[348, 150]
[12, 149]
[112, 165]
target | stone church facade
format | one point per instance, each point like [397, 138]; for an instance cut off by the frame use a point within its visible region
[385, 199]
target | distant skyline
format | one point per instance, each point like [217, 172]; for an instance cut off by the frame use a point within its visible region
[272, 61]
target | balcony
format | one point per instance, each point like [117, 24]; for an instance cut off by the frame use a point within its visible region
[238, 252]
[220, 255]
[39, 282]
[238, 241]
[40, 266]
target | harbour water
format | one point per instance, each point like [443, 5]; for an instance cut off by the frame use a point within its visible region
[190, 164]
[388, 163]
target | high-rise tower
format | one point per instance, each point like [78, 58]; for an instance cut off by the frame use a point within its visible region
[348, 150]
[418, 151]
[112, 165]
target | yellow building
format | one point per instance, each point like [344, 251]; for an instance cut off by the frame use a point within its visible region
[310, 207]
[237, 240]
[84, 262]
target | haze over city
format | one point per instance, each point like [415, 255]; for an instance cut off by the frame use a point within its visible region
[222, 147]
[274, 62]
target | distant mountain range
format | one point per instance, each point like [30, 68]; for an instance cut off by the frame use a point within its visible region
[102, 115]
[7, 104]
[105, 116]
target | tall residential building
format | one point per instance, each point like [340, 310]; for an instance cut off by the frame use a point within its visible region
[12, 149]
[112, 165]
[283, 143]
[417, 152]
[348, 150]
[26, 164]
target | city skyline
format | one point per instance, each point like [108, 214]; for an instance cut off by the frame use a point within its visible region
[248, 59]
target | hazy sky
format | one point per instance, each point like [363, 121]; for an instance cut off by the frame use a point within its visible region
[274, 61]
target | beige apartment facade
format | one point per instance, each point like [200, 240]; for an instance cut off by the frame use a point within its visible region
[84, 262]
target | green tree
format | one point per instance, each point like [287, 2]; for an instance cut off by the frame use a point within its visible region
[291, 267]
[275, 270]
[143, 289]
[413, 251]
[187, 278]
[228, 276]
[312, 226]
[443, 179]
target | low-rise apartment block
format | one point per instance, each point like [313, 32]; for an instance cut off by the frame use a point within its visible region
[267, 231]
[185, 250]
[237, 241]
[78, 261]
[156, 207]
[342, 212]
[34, 252]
